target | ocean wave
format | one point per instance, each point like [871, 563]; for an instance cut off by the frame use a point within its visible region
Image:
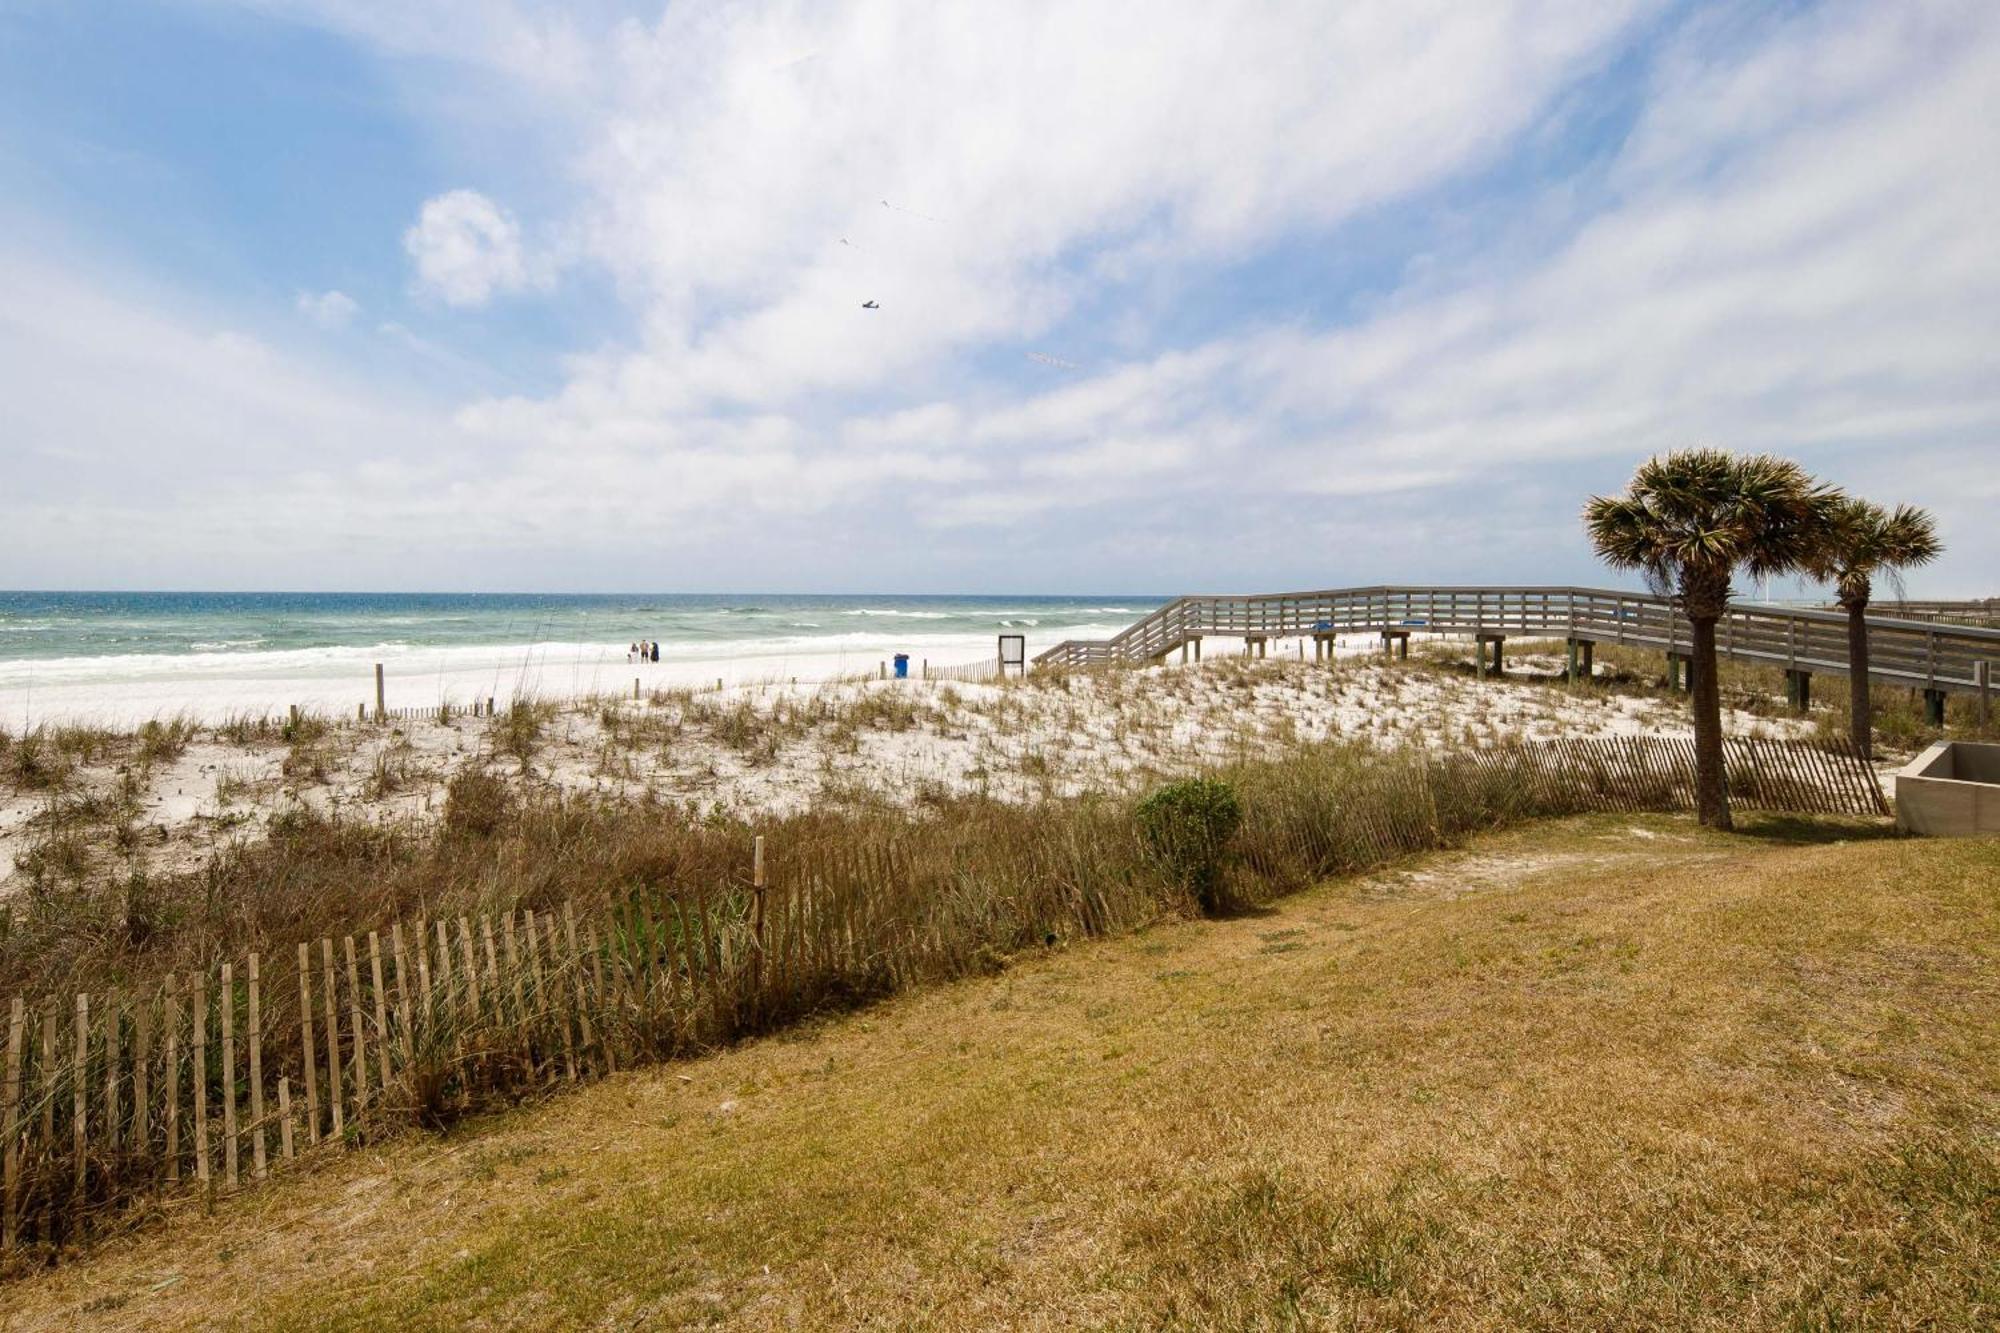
[908, 615]
[226, 644]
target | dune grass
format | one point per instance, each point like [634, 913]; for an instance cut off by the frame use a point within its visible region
[1610, 1072]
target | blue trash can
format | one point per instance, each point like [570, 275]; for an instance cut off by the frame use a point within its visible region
[902, 666]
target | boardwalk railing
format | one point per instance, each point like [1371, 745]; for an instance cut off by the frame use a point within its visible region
[1920, 654]
[1981, 611]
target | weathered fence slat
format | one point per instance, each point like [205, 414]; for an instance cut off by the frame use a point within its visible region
[10, 1125]
[359, 1041]
[402, 991]
[173, 1071]
[79, 1079]
[259, 1162]
[142, 1072]
[306, 1044]
[381, 1006]
[112, 1063]
[200, 1043]
[333, 1094]
[226, 1001]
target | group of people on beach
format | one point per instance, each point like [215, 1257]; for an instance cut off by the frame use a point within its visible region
[643, 651]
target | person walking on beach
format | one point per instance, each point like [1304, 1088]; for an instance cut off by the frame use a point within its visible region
[656, 650]
[631, 652]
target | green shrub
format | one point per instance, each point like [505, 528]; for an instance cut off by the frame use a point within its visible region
[1188, 826]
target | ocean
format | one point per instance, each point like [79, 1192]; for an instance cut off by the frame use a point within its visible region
[119, 658]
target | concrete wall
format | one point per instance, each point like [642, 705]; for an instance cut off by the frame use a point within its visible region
[1951, 790]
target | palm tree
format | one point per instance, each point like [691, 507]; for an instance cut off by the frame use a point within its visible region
[1689, 521]
[1862, 540]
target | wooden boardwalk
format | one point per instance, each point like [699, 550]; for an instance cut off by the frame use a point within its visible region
[1919, 654]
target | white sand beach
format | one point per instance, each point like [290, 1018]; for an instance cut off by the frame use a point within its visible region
[765, 745]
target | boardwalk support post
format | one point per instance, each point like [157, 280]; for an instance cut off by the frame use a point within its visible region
[1934, 707]
[1798, 690]
[1581, 667]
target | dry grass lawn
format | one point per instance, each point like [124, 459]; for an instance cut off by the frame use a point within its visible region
[1610, 1072]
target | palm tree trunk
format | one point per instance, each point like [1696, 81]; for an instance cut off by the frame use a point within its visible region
[1862, 720]
[1711, 782]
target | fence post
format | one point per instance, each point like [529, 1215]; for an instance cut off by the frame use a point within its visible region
[380, 699]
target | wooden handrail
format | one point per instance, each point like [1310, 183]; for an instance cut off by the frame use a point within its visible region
[1925, 654]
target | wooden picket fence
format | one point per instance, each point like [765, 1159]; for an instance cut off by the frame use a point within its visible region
[1657, 773]
[212, 1082]
[965, 671]
[433, 713]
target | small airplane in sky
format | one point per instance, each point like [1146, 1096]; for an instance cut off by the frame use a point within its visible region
[871, 305]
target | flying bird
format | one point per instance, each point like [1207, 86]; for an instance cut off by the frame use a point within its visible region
[871, 305]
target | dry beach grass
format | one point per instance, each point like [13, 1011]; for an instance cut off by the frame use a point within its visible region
[82, 803]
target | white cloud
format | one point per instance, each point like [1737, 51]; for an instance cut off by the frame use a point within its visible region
[1028, 151]
[1788, 251]
[329, 309]
[467, 248]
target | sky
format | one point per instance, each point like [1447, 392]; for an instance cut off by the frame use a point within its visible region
[1152, 297]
